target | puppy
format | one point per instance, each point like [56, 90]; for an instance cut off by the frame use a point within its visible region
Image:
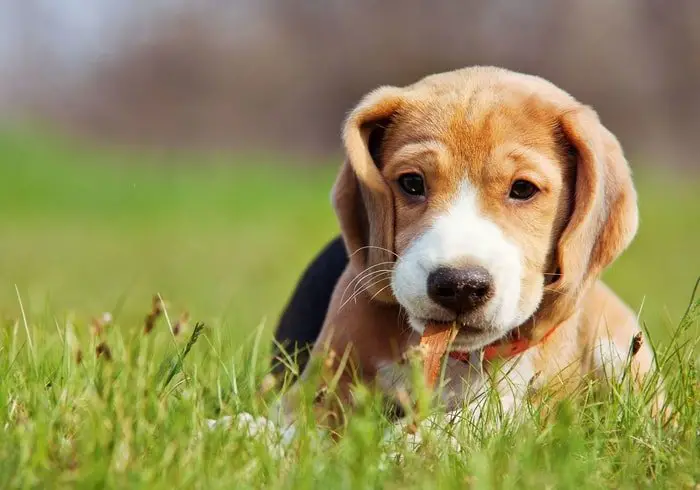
[484, 197]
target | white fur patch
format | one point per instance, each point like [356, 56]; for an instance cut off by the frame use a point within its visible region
[462, 235]
[275, 437]
[465, 384]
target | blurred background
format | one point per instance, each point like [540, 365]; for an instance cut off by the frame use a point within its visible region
[188, 148]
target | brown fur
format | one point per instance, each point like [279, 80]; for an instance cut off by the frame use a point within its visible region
[492, 126]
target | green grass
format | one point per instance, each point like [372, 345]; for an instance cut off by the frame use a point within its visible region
[87, 231]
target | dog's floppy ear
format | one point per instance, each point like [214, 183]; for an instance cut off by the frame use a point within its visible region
[604, 218]
[362, 199]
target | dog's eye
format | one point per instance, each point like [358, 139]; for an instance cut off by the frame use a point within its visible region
[522, 190]
[412, 184]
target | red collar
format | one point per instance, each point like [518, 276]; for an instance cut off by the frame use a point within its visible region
[510, 346]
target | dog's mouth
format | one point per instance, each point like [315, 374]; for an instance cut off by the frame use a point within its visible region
[464, 327]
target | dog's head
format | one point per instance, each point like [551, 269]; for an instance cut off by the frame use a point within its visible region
[478, 195]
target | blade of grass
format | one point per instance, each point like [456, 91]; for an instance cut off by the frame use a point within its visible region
[177, 366]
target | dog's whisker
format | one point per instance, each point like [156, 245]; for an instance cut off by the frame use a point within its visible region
[367, 274]
[368, 286]
[369, 269]
[388, 262]
[378, 292]
[369, 277]
[399, 316]
[362, 285]
[359, 285]
[359, 276]
[370, 281]
[403, 319]
[378, 248]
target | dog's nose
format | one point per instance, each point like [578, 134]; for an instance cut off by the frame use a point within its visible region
[460, 290]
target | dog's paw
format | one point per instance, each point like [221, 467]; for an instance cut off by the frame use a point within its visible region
[413, 436]
[223, 422]
[276, 438]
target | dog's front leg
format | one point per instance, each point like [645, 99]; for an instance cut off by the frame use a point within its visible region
[359, 335]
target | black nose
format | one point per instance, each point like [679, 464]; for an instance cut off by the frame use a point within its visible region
[460, 290]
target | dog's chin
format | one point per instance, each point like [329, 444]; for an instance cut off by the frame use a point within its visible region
[470, 341]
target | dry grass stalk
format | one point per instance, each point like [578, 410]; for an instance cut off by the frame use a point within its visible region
[152, 317]
[103, 350]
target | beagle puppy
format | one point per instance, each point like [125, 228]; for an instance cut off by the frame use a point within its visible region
[483, 197]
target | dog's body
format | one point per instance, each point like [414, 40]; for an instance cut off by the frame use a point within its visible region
[487, 198]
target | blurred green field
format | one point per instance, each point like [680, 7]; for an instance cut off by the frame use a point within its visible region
[88, 230]
[92, 231]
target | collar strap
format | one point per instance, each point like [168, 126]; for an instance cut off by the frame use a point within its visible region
[510, 346]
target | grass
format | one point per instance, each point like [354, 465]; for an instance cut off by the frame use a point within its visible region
[88, 231]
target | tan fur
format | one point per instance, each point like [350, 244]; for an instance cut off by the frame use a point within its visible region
[492, 126]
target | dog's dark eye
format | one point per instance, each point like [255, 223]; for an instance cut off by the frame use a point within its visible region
[522, 190]
[412, 184]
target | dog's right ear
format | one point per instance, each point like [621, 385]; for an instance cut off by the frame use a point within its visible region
[362, 198]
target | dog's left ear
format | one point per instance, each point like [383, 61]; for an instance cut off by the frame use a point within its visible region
[362, 198]
[604, 218]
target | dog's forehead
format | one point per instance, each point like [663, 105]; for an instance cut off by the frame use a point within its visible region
[474, 119]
